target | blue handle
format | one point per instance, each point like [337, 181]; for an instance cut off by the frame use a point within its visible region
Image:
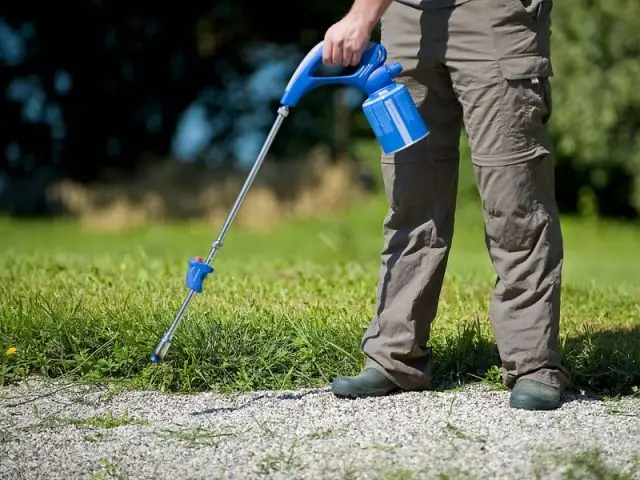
[302, 80]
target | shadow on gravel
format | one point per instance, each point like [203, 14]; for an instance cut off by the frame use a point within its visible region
[300, 395]
[254, 399]
[571, 397]
[213, 411]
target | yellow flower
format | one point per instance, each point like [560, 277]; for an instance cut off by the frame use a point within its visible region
[11, 351]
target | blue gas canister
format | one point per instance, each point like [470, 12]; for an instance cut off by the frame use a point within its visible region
[389, 108]
[393, 116]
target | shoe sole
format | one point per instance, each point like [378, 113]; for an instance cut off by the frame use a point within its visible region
[522, 405]
[341, 394]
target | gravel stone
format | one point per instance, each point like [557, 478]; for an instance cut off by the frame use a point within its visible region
[47, 431]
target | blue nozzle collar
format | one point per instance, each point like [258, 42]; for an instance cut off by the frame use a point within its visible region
[198, 271]
[382, 77]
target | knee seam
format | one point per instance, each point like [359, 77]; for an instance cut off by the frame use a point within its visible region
[510, 159]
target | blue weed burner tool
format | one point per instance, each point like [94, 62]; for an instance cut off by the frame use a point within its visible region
[390, 110]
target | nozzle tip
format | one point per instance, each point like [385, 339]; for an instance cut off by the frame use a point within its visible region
[155, 358]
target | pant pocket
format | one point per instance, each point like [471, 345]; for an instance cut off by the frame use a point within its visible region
[526, 98]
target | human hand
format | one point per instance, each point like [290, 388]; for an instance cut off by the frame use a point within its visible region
[346, 40]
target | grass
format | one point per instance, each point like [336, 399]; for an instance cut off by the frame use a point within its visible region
[285, 308]
[588, 464]
[107, 421]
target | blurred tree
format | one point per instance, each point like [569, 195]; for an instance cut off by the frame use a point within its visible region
[596, 119]
[99, 86]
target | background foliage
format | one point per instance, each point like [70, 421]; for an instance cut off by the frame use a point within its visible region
[596, 120]
[102, 86]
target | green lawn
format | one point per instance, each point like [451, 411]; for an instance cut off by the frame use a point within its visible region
[286, 308]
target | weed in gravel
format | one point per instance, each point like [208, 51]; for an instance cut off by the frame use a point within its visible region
[454, 474]
[106, 421]
[590, 464]
[460, 433]
[284, 461]
[195, 437]
[109, 470]
[6, 436]
[395, 473]
[322, 434]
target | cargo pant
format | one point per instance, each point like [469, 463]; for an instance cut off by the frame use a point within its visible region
[483, 65]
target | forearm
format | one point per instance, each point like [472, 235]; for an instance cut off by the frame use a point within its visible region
[370, 11]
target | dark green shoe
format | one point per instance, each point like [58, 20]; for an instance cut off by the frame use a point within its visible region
[532, 395]
[369, 383]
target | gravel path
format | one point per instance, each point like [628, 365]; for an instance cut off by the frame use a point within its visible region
[49, 430]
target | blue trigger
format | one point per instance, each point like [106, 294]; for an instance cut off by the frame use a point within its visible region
[198, 271]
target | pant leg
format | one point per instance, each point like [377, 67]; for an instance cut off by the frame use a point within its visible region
[502, 80]
[420, 185]
[524, 240]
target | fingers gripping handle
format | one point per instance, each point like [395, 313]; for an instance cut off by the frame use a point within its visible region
[302, 80]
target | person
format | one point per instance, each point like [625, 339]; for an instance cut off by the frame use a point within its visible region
[484, 65]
